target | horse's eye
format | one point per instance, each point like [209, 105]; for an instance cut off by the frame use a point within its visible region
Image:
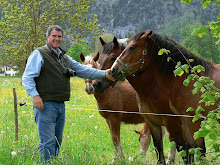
[131, 48]
[113, 59]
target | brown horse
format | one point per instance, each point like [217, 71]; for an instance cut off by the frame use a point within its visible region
[141, 56]
[120, 98]
[110, 52]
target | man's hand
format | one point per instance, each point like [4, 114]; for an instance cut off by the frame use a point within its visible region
[38, 102]
[108, 75]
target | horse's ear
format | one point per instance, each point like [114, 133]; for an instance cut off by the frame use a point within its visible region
[96, 57]
[102, 41]
[82, 57]
[138, 132]
[115, 41]
[147, 33]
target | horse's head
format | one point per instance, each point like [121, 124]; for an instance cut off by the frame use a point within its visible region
[144, 138]
[134, 58]
[108, 56]
[91, 62]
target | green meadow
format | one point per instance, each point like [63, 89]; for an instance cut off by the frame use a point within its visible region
[86, 139]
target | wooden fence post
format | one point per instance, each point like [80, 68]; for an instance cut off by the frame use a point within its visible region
[16, 114]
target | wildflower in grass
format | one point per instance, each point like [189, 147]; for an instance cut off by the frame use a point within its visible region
[130, 158]
[21, 151]
[13, 153]
[2, 132]
[96, 127]
[91, 116]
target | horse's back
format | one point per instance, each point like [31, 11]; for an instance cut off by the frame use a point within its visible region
[216, 75]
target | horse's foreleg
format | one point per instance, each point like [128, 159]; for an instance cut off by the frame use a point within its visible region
[178, 134]
[114, 127]
[200, 142]
[156, 132]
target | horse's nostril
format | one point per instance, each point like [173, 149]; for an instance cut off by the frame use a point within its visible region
[113, 71]
[99, 84]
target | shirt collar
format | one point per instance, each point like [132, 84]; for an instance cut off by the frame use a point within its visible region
[59, 51]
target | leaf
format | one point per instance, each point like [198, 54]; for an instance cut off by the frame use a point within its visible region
[179, 71]
[186, 82]
[198, 68]
[218, 17]
[182, 153]
[191, 60]
[185, 1]
[195, 90]
[191, 150]
[162, 51]
[212, 136]
[198, 151]
[198, 84]
[196, 117]
[199, 110]
[172, 145]
[201, 133]
[201, 31]
[190, 109]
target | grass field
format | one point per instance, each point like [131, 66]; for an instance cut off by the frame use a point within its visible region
[86, 135]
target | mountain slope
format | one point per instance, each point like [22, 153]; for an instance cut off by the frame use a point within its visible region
[125, 17]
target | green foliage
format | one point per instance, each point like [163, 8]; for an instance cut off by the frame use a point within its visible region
[210, 96]
[200, 40]
[162, 51]
[214, 26]
[24, 23]
[79, 47]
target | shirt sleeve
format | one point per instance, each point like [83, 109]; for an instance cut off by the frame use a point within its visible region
[32, 70]
[84, 71]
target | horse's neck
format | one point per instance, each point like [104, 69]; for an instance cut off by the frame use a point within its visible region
[107, 99]
[168, 82]
[142, 83]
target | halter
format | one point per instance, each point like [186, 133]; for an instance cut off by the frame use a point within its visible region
[141, 62]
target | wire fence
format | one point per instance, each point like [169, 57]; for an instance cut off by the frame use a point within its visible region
[118, 111]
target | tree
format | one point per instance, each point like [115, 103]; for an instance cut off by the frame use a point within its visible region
[214, 26]
[79, 47]
[203, 45]
[24, 24]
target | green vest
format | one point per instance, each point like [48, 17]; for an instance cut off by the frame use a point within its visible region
[52, 84]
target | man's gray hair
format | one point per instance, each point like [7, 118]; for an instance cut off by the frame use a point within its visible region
[56, 27]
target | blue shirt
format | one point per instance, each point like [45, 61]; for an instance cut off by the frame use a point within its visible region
[35, 62]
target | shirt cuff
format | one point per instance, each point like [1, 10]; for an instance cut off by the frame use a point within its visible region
[34, 93]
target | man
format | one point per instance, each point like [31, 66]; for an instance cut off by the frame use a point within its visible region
[47, 79]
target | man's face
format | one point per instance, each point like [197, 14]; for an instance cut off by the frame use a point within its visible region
[55, 39]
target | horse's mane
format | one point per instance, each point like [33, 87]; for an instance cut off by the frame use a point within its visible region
[109, 47]
[177, 53]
